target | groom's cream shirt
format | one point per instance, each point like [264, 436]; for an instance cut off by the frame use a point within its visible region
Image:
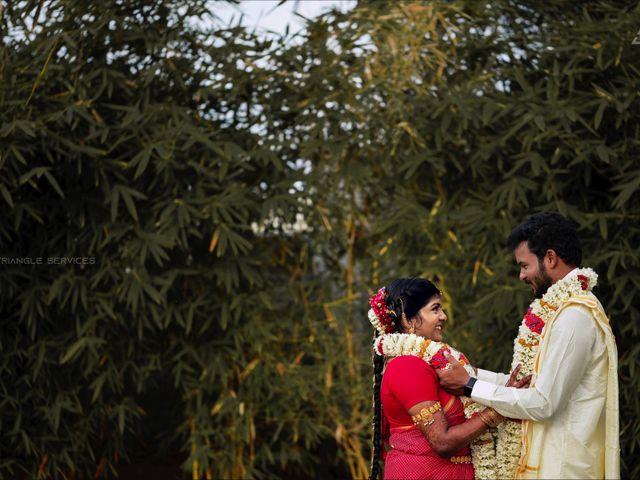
[568, 398]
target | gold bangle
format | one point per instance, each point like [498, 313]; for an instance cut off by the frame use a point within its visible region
[497, 418]
[425, 416]
[482, 418]
[490, 417]
[461, 459]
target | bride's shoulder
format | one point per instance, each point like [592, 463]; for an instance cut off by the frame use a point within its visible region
[409, 362]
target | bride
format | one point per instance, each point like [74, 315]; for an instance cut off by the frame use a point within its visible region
[419, 429]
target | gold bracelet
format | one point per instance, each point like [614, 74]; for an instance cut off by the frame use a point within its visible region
[461, 459]
[490, 417]
[425, 416]
[487, 418]
[482, 418]
[497, 418]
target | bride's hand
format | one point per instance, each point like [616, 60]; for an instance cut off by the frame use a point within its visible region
[514, 382]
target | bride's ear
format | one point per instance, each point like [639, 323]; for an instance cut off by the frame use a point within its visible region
[406, 324]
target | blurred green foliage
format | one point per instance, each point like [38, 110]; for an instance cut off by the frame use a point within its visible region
[242, 196]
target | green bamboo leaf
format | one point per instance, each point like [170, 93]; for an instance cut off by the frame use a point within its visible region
[128, 201]
[121, 418]
[97, 386]
[74, 350]
[34, 172]
[152, 292]
[115, 198]
[626, 189]
[54, 183]
[189, 318]
[520, 78]
[603, 153]
[141, 160]
[602, 223]
[6, 195]
[18, 155]
[598, 117]
[25, 127]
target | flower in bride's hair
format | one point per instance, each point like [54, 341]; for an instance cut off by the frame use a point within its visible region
[379, 314]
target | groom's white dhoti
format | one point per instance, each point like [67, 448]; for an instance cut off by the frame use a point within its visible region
[570, 413]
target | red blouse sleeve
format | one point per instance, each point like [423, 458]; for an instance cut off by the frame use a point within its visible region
[413, 381]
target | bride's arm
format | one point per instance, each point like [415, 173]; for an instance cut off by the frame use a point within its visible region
[446, 440]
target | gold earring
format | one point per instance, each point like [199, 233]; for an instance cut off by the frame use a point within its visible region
[412, 329]
[404, 317]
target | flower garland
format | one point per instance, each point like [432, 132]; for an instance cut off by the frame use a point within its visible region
[525, 347]
[432, 352]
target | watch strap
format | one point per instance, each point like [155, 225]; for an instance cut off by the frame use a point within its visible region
[468, 388]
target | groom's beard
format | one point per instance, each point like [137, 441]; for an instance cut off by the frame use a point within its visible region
[541, 282]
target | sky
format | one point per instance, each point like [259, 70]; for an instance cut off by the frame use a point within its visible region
[266, 15]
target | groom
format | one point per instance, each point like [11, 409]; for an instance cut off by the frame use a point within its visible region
[570, 412]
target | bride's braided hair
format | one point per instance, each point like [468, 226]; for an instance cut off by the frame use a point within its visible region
[403, 296]
[378, 366]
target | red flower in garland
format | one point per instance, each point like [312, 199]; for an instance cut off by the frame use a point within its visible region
[584, 282]
[534, 322]
[464, 360]
[439, 360]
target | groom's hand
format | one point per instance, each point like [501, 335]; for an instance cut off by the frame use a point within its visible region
[513, 379]
[453, 379]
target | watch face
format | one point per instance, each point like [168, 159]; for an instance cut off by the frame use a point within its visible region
[468, 388]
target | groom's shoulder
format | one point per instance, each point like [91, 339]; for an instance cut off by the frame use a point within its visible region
[576, 320]
[586, 300]
[576, 312]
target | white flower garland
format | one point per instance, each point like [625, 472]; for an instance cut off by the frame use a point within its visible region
[396, 344]
[373, 318]
[525, 347]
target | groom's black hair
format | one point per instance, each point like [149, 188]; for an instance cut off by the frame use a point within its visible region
[548, 231]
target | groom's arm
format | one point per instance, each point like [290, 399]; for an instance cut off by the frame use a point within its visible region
[495, 378]
[569, 352]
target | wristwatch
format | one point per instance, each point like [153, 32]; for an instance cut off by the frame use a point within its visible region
[468, 388]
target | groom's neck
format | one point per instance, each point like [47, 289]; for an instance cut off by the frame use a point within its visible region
[560, 271]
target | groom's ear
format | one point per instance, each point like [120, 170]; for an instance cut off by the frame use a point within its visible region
[551, 259]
